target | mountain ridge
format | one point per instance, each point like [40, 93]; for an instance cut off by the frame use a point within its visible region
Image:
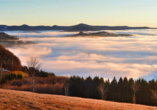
[26, 27]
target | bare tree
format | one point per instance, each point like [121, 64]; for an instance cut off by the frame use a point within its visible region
[33, 65]
[135, 88]
[1, 75]
[103, 90]
[154, 92]
[66, 87]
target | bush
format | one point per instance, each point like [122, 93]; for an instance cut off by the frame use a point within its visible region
[11, 76]
[19, 76]
[48, 85]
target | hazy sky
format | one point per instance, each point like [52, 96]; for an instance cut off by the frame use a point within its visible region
[71, 12]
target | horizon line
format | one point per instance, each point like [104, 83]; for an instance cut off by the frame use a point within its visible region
[75, 25]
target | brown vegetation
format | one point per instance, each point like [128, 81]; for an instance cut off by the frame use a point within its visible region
[18, 100]
[33, 65]
[9, 60]
[49, 85]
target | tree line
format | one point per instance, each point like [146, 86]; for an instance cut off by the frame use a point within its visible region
[123, 90]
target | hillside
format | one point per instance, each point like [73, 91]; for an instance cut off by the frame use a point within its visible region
[9, 40]
[97, 34]
[9, 60]
[4, 36]
[18, 100]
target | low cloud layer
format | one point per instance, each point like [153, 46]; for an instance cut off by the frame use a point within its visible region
[40, 33]
[134, 56]
[137, 31]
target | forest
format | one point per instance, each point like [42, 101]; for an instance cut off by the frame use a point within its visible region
[124, 90]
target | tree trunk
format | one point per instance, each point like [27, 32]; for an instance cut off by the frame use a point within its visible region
[1, 77]
[1, 73]
[66, 91]
[134, 98]
[33, 83]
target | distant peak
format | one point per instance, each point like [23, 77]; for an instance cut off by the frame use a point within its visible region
[24, 25]
[55, 25]
[82, 24]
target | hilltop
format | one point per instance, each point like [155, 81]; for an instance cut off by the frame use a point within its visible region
[4, 36]
[98, 34]
[81, 27]
[19, 100]
[9, 40]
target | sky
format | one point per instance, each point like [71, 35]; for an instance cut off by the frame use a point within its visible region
[71, 12]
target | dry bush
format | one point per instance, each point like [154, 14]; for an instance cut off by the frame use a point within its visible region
[50, 80]
[20, 88]
[49, 88]
[49, 85]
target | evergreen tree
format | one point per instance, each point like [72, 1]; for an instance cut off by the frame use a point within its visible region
[113, 90]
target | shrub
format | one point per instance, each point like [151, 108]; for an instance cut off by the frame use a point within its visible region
[11, 76]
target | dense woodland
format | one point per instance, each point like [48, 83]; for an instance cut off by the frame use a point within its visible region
[123, 90]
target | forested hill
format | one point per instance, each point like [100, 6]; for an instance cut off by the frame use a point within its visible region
[9, 60]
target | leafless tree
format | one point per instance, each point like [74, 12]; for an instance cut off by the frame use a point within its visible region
[135, 88]
[33, 65]
[103, 90]
[1, 70]
[66, 87]
[154, 92]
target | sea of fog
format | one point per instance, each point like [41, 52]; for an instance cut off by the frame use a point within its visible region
[105, 57]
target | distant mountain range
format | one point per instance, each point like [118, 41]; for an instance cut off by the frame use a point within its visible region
[79, 27]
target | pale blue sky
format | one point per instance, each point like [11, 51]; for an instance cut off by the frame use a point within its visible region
[71, 12]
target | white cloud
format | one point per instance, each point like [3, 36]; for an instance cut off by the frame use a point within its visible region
[107, 57]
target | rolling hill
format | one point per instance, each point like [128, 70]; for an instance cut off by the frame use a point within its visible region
[19, 100]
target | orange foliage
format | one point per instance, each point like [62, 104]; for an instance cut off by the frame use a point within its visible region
[9, 60]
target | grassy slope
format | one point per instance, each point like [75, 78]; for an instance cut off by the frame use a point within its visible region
[19, 100]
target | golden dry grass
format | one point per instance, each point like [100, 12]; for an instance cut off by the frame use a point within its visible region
[19, 100]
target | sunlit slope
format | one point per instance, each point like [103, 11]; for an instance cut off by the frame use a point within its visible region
[19, 100]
